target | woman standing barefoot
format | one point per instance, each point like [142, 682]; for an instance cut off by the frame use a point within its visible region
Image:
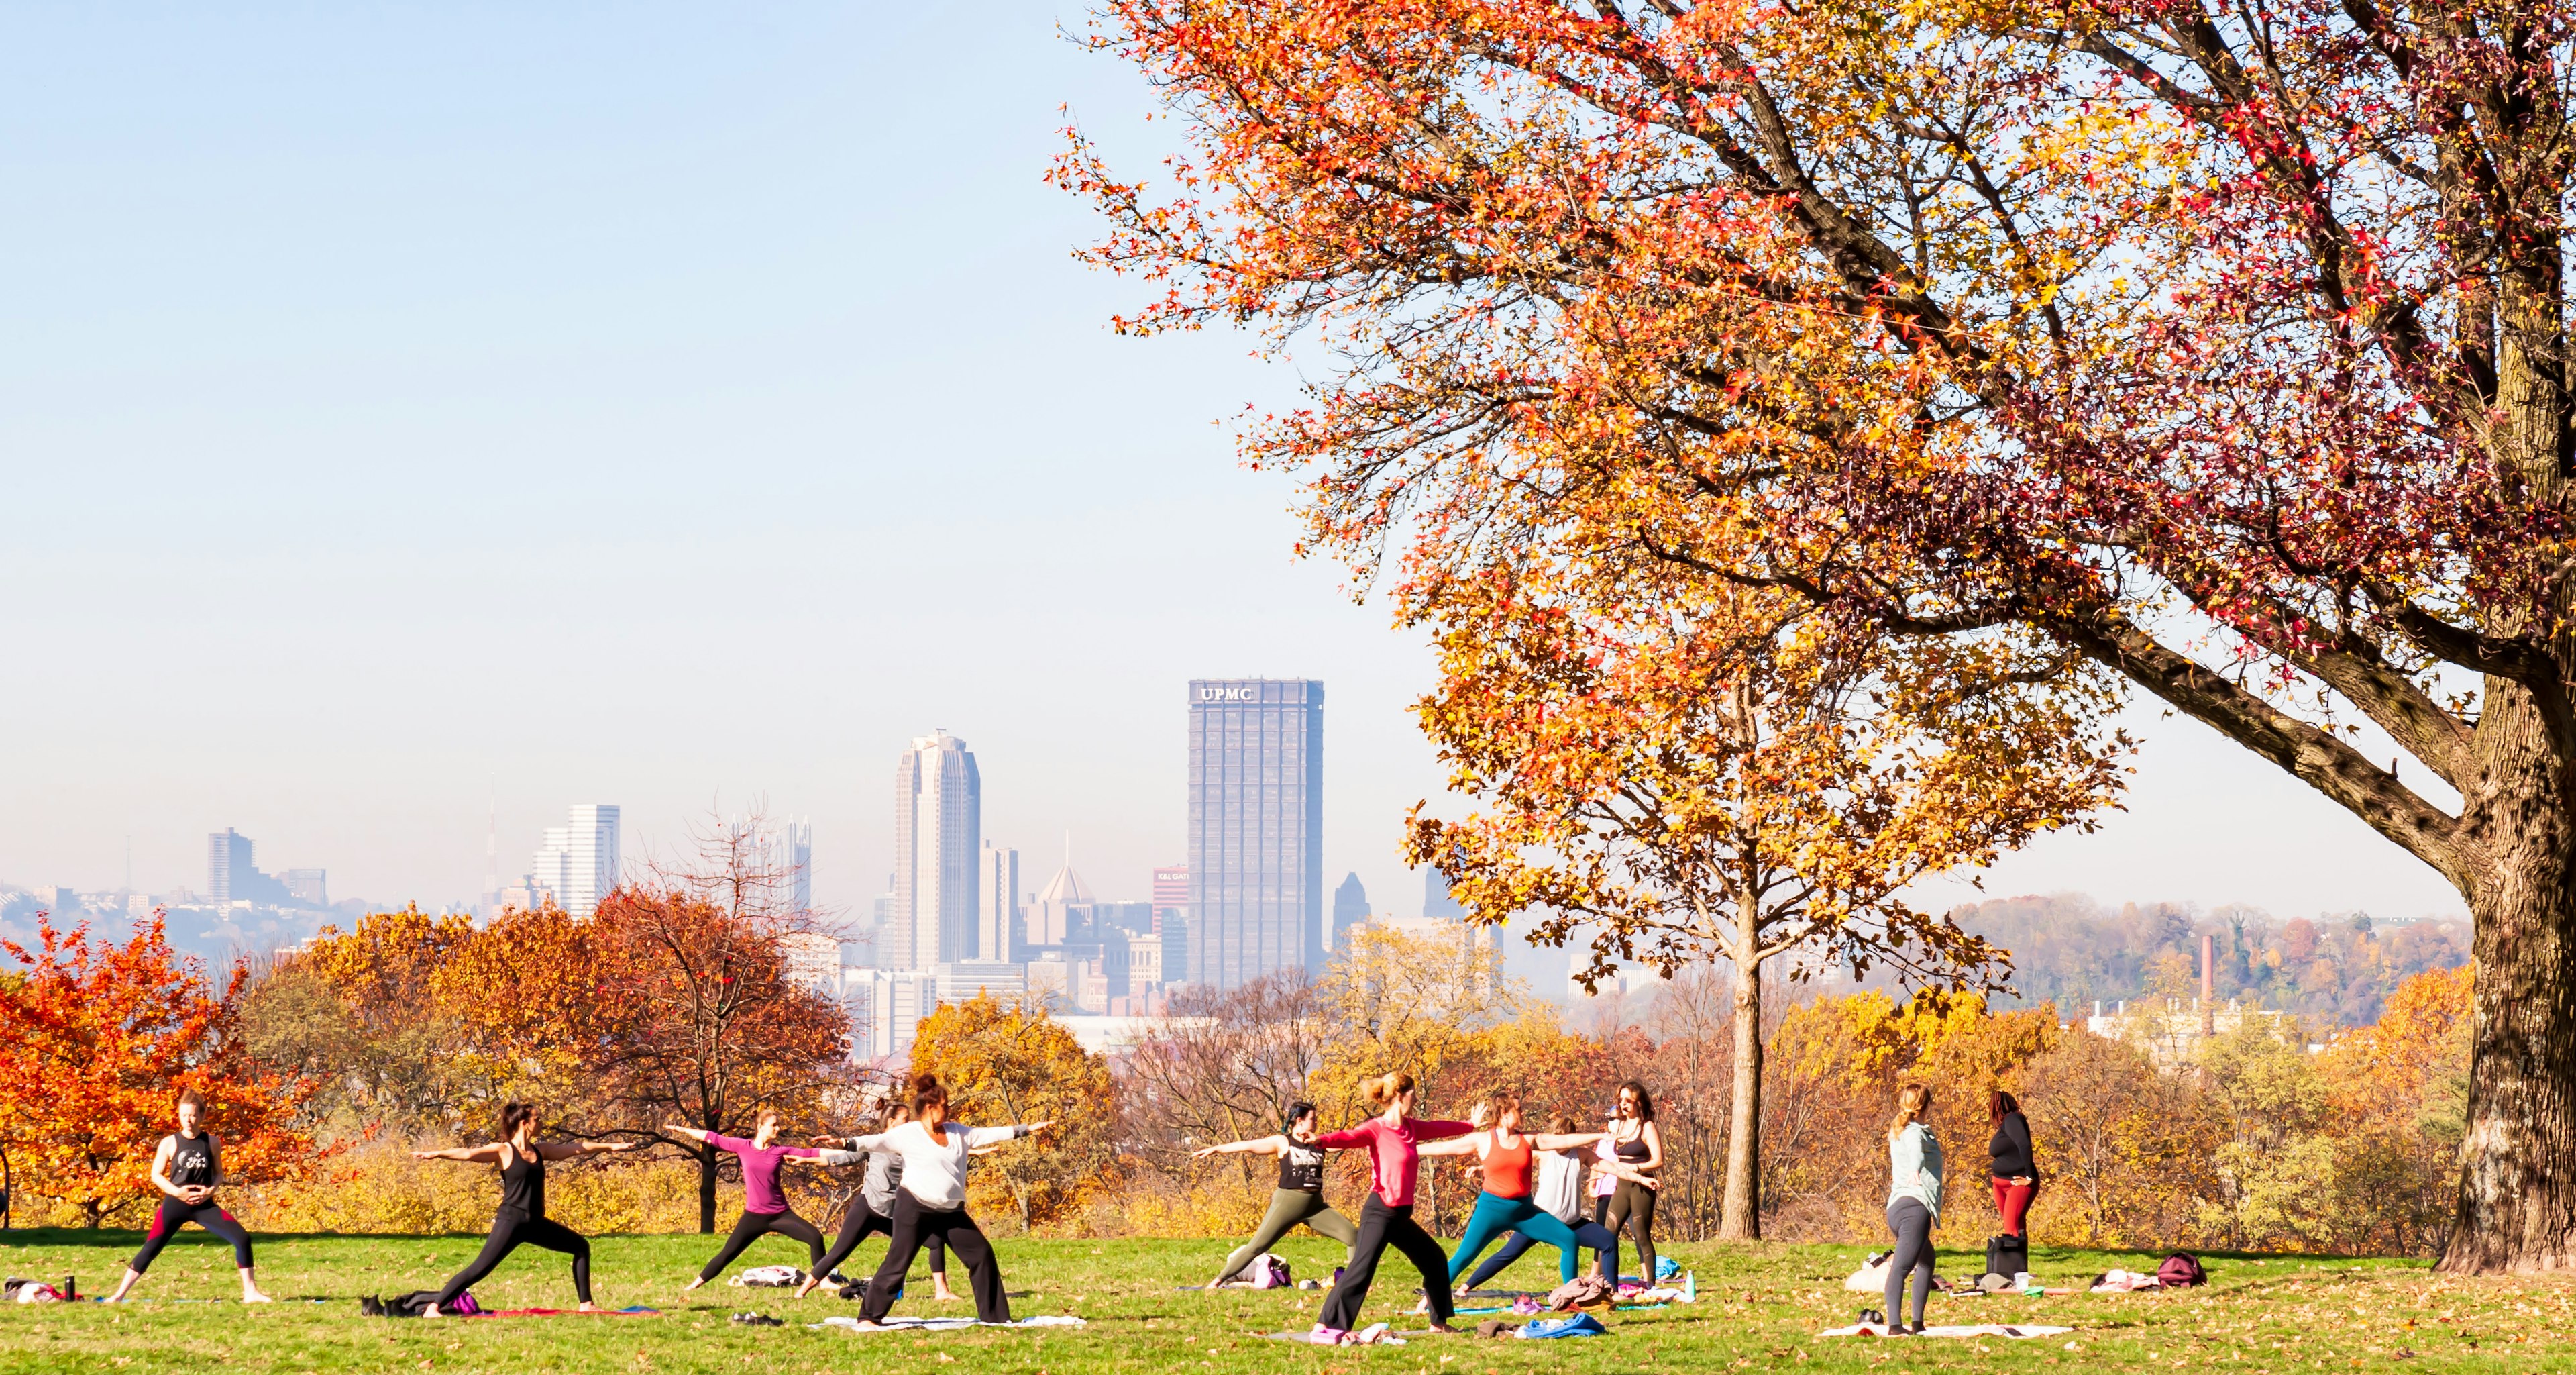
[186, 1169]
[522, 1216]
[932, 1202]
[1394, 1140]
[764, 1204]
[1299, 1197]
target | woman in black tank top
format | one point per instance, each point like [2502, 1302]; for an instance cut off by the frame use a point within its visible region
[186, 1170]
[522, 1215]
[1299, 1197]
[1638, 1145]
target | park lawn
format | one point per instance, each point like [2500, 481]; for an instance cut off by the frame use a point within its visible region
[1760, 1307]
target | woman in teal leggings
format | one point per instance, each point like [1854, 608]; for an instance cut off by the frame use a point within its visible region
[1507, 1204]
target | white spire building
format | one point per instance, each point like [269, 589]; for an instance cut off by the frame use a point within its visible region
[938, 839]
[579, 862]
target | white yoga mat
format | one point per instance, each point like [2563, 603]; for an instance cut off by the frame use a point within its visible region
[849, 1324]
[1982, 1330]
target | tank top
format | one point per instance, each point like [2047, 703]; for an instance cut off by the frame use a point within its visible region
[523, 1184]
[1634, 1151]
[1301, 1169]
[193, 1162]
[1507, 1168]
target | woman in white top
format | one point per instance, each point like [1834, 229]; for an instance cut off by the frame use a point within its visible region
[1913, 1204]
[932, 1200]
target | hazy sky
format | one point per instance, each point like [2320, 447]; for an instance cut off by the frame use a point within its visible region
[412, 411]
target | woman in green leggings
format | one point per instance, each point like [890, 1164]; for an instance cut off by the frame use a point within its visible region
[1299, 1197]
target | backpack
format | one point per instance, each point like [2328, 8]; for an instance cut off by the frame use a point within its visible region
[1269, 1272]
[2181, 1270]
[2007, 1256]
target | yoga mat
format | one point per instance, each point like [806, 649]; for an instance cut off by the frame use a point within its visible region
[633, 1311]
[851, 1325]
[1984, 1330]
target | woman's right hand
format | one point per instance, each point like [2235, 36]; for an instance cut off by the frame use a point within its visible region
[1204, 1152]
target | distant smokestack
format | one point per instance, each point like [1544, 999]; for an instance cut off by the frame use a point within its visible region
[2208, 984]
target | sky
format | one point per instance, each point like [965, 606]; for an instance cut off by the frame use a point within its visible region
[417, 419]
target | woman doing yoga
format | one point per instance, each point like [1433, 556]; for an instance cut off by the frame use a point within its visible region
[1510, 1160]
[932, 1202]
[871, 1212]
[186, 1170]
[1913, 1204]
[1635, 1147]
[764, 1204]
[1558, 1192]
[1394, 1141]
[522, 1215]
[1299, 1197]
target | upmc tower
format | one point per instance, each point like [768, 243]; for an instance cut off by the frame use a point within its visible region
[1256, 828]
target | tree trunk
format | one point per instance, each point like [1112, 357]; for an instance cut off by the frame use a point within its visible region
[706, 1189]
[1740, 1217]
[2517, 1204]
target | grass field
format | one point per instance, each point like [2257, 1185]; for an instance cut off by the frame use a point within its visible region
[1760, 1307]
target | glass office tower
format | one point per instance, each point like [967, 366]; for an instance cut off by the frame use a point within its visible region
[1256, 829]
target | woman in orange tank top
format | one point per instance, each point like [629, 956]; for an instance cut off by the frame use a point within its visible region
[1505, 1205]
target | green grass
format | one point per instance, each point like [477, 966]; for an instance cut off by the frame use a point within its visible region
[1760, 1308]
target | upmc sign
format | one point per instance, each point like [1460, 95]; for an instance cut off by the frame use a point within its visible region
[1229, 694]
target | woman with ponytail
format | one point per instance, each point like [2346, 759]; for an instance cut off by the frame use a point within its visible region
[522, 1216]
[1299, 1197]
[1394, 1140]
[1913, 1204]
[1511, 1160]
[932, 1200]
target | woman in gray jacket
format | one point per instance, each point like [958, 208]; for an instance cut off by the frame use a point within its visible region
[1913, 1204]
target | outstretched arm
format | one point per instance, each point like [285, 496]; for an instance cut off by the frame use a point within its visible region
[692, 1133]
[572, 1150]
[1460, 1145]
[1272, 1144]
[994, 1136]
[1564, 1141]
[489, 1151]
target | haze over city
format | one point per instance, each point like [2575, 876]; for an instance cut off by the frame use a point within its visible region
[418, 424]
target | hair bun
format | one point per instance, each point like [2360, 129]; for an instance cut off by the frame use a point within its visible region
[924, 1081]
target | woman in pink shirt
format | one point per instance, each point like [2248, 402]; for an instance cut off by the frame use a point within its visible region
[1393, 1139]
[764, 1206]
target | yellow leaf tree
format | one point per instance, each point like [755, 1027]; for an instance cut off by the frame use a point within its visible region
[1010, 1062]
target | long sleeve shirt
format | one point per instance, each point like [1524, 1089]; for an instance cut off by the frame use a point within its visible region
[932, 1173]
[1914, 1168]
[1395, 1154]
[760, 1170]
[2011, 1148]
[885, 1171]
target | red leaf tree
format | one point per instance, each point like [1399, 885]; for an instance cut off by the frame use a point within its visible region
[2227, 349]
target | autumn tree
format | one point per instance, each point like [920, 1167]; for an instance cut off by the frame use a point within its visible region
[1735, 773]
[2224, 348]
[715, 1029]
[102, 1037]
[1005, 1063]
[1224, 1065]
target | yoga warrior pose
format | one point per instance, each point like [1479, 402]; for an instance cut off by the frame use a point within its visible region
[1558, 1192]
[522, 1215]
[1913, 1204]
[1633, 1153]
[764, 1205]
[186, 1169]
[1394, 1142]
[932, 1202]
[1299, 1197]
[871, 1213]
[1510, 1159]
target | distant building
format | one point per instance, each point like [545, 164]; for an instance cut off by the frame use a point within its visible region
[784, 850]
[1256, 821]
[1172, 916]
[1436, 901]
[938, 840]
[527, 896]
[231, 877]
[966, 980]
[1135, 918]
[813, 961]
[1060, 913]
[312, 887]
[997, 918]
[1350, 908]
[578, 864]
[1171, 888]
[886, 1007]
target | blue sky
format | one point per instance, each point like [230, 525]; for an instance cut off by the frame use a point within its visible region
[406, 411]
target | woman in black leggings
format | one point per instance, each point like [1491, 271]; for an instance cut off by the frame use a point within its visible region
[1637, 1154]
[870, 1211]
[522, 1217]
[764, 1203]
[186, 1169]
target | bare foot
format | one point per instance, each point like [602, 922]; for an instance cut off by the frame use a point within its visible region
[254, 1296]
[1444, 1327]
[588, 1307]
[433, 1311]
[943, 1293]
[691, 1285]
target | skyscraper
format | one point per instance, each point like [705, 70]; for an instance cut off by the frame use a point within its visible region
[1256, 821]
[231, 876]
[578, 863]
[1350, 908]
[1436, 901]
[782, 852]
[1000, 904]
[938, 837]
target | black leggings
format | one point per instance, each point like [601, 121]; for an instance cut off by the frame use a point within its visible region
[751, 1227]
[1632, 1210]
[1382, 1226]
[913, 1226]
[175, 1214]
[858, 1223]
[509, 1230]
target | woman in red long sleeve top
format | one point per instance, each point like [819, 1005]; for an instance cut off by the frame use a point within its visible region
[1392, 1139]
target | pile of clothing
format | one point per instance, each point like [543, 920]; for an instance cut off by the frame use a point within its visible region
[15, 1290]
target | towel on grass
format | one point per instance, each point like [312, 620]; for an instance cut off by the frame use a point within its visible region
[1982, 1330]
[848, 1324]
